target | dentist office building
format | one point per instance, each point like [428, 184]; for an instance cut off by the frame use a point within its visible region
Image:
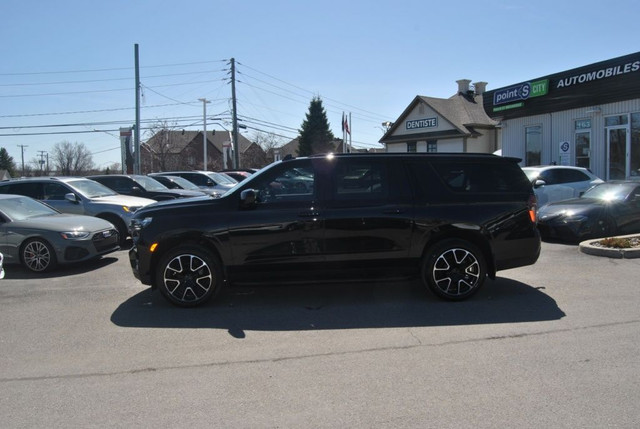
[587, 117]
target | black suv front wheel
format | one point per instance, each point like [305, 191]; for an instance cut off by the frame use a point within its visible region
[454, 269]
[188, 276]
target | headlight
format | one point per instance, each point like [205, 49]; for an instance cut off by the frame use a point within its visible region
[130, 209]
[138, 224]
[75, 235]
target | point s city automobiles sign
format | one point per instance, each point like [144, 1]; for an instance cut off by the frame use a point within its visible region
[519, 92]
[604, 82]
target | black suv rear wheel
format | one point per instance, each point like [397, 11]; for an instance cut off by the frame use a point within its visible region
[454, 269]
[188, 276]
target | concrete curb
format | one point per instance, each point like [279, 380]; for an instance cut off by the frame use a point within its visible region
[589, 248]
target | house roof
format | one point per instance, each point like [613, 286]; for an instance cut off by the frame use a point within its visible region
[181, 139]
[464, 111]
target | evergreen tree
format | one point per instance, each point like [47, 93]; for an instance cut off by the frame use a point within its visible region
[6, 162]
[315, 135]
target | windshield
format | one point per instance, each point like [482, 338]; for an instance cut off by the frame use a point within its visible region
[531, 173]
[184, 183]
[20, 208]
[150, 184]
[610, 191]
[222, 178]
[90, 189]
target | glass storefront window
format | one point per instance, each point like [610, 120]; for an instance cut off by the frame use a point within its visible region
[634, 153]
[612, 121]
[533, 145]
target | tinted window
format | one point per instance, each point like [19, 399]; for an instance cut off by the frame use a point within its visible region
[569, 175]
[30, 189]
[481, 177]
[360, 180]
[287, 182]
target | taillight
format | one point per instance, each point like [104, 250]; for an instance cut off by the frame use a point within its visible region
[533, 207]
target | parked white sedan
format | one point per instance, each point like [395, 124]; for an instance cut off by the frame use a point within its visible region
[559, 182]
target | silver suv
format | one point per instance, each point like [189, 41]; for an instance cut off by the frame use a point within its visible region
[78, 195]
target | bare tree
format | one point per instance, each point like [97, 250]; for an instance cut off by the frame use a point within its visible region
[163, 147]
[71, 159]
[268, 142]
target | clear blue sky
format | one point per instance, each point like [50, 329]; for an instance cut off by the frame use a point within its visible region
[70, 64]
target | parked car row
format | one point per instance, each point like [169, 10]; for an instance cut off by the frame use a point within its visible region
[98, 210]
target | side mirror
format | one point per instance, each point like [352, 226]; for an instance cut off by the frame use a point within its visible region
[539, 183]
[248, 198]
[136, 190]
[71, 197]
[210, 183]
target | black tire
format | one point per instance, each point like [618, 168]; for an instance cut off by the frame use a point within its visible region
[123, 231]
[38, 256]
[454, 269]
[188, 276]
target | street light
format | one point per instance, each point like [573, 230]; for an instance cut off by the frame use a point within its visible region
[204, 136]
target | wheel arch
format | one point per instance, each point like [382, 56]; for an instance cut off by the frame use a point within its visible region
[191, 239]
[474, 236]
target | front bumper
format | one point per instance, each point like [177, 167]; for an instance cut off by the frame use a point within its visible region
[139, 262]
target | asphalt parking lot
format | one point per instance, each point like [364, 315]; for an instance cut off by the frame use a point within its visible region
[551, 345]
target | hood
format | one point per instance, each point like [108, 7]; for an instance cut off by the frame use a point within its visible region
[64, 223]
[179, 203]
[573, 206]
[123, 200]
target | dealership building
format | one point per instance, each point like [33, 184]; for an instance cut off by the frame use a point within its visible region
[588, 116]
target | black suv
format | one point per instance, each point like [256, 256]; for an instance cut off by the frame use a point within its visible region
[142, 186]
[451, 219]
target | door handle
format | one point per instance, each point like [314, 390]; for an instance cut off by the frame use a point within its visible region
[393, 211]
[310, 213]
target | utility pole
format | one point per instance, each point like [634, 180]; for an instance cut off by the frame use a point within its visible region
[42, 153]
[204, 135]
[234, 113]
[136, 140]
[22, 146]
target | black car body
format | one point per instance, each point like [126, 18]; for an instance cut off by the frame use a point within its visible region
[607, 209]
[452, 219]
[142, 186]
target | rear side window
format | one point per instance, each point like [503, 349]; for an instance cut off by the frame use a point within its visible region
[29, 189]
[482, 177]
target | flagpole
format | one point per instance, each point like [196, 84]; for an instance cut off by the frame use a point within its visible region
[350, 134]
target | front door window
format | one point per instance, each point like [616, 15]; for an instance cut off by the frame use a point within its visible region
[533, 145]
[617, 153]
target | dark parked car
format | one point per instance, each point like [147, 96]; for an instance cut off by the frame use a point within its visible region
[177, 182]
[452, 219]
[203, 179]
[142, 186]
[39, 237]
[607, 209]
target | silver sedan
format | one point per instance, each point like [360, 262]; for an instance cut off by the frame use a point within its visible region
[39, 237]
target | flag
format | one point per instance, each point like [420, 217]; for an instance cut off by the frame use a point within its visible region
[342, 123]
[345, 124]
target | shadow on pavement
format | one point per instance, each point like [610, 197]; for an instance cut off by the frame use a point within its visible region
[351, 306]
[18, 272]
